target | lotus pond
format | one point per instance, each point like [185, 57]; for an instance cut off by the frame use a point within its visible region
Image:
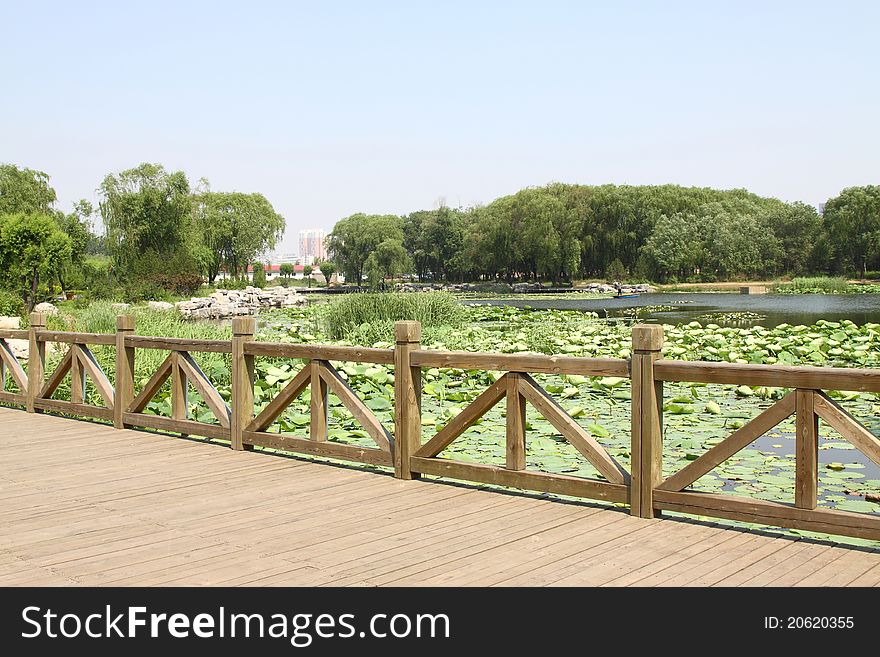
[696, 416]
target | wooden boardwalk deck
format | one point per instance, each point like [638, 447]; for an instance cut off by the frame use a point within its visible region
[82, 503]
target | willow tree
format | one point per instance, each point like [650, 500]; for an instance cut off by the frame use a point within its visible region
[32, 247]
[146, 215]
[234, 229]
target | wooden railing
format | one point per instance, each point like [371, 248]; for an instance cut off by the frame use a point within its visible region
[643, 487]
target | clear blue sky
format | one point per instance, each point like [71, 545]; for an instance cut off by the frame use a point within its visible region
[330, 108]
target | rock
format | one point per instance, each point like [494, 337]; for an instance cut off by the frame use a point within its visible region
[223, 304]
[46, 308]
[159, 305]
[7, 322]
[120, 306]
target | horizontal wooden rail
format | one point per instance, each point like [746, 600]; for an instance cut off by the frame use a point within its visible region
[732, 507]
[643, 487]
[187, 427]
[13, 397]
[70, 337]
[320, 352]
[341, 451]
[71, 408]
[533, 363]
[522, 479]
[178, 344]
[779, 376]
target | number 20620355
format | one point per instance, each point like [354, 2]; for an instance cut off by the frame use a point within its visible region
[809, 622]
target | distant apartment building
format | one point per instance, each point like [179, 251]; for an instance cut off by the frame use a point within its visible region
[311, 246]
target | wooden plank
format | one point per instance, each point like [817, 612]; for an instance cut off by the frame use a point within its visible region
[467, 360]
[179, 389]
[77, 376]
[732, 507]
[839, 419]
[99, 379]
[70, 337]
[14, 334]
[186, 427]
[522, 479]
[205, 388]
[566, 425]
[647, 417]
[125, 356]
[407, 398]
[179, 344]
[806, 452]
[282, 400]
[317, 406]
[636, 467]
[817, 378]
[739, 439]
[57, 376]
[471, 413]
[13, 366]
[12, 397]
[353, 403]
[320, 352]
[36, 359]
[155, 382]
[515, 420]
[243, 375]
[318, 448]
[72, 408]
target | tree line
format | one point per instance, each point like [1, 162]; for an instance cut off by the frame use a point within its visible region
[161, 235]
[663, 233]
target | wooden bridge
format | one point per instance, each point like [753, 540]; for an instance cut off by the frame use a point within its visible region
[90, 503]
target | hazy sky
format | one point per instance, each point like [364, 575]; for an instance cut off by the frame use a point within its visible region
[330, 108]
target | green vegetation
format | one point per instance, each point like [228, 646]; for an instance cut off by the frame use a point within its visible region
[814, 285]
[32, 248]
[235, 229]
[561, 232]
[370, 318]
[824, 285]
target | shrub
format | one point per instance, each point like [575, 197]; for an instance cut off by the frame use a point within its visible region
[259, 275]
[370, 317]
[11, 304]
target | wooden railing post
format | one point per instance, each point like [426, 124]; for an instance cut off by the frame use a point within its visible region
[806, 451]
[124, 391]
[242, 379]
[647, 419]
[36, 359]
[515, 434]
[407, 398]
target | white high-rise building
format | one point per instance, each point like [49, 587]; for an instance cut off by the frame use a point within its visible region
[311, 246]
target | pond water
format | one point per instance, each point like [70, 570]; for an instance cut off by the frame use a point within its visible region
[680, 308]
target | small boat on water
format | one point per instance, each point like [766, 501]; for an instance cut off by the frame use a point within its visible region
[626, 296]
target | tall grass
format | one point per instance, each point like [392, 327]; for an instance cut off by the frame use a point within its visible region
[815, 285]
[100, 317]
[369, 318]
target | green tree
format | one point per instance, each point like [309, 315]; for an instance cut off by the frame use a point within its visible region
[25, 191]
[32, 246]
[327, 268]
[259, 275]
[77, 227]
[286, 270]
[852, 221]
[354, 238]
[233, 229]
[146, 214]
[307, 273]
[391, 259]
